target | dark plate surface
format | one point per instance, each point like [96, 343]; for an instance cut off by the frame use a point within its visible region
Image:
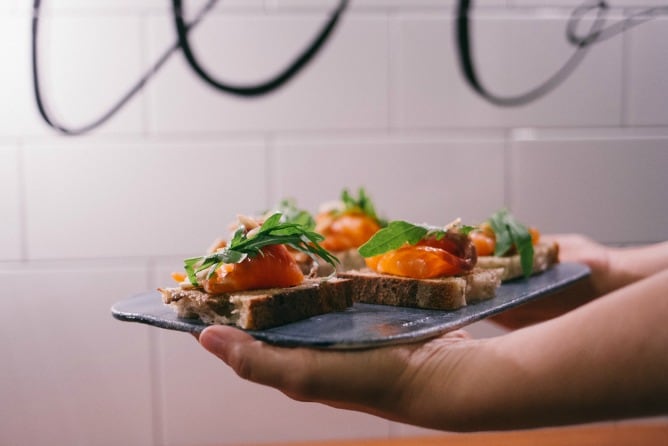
[366, 325]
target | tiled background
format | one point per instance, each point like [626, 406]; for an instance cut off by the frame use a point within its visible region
[86, 221]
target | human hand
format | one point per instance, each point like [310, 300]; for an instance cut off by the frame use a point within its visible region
[396, 382]
[572, 248]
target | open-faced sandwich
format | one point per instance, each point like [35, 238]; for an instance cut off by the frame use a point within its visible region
[503, 242]
[254, 281]
[346, 225]
[422, 266]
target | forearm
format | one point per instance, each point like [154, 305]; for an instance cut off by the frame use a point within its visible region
[605, 360]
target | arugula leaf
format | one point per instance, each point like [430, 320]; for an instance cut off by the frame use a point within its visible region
[362, 204]
[393, 236]
[510, 233]
[292, 214]
[272, 232]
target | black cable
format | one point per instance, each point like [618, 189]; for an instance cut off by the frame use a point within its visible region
[464, 51]
[597, 33]
[264, 87]
[184, 28]
[39, 99]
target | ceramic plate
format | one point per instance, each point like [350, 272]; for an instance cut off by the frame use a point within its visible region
[366, 325]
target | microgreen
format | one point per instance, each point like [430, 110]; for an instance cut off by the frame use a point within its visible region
[510, 233]
[274, 231]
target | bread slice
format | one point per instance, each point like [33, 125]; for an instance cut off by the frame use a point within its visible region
[449, 293]
[545, 255]
[260, 309]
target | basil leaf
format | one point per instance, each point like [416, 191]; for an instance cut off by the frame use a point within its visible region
[510, 233]
[504, 240]
[393, 236]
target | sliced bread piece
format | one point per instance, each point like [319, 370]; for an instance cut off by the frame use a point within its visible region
[448, 293]
[260, 309]
[545, 255]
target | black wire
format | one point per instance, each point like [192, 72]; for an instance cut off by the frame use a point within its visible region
[464, 51]
[39, 97]
[184, 28]
[264, 87]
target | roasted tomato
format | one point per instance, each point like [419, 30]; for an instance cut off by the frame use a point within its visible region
[485, 241]
[430, 258]
[345, 231]
[275, 267]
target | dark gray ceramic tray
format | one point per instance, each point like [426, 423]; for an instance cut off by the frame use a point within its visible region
[366, 325]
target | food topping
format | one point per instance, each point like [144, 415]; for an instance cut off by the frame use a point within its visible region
[348, 224]
[274, 267]
[421, 252]
[502, 235]
[256, 257]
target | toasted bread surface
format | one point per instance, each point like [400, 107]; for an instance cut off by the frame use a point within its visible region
[545, 255]
[260, 309]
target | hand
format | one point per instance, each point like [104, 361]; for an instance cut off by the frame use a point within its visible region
[393, 382]
[572, 248]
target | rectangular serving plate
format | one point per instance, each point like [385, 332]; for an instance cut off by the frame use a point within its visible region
[367, 325]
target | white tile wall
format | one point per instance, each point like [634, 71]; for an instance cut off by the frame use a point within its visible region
[417, 180]
[346, 84]
[88, 62]
[71, 373]
[559, 182]
[384, 106]
[647, 70]
[206, 403]
[10, 203]
[113, 200]
[430, 91]
[18, 114]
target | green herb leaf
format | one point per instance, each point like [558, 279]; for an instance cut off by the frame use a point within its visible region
[292, 214]
[362, 204]
[510, 233]
[393, 236]
[272, 232]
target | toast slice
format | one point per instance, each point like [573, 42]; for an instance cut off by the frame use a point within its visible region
[448, 293]
[260, 309]
[545, 255]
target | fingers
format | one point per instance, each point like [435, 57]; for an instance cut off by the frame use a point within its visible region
[341, 378]
[381, 381]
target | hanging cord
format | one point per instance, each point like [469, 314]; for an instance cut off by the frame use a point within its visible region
[184, 28]
[265, 87]
[597, 33]
[143, 80]
[463, 39]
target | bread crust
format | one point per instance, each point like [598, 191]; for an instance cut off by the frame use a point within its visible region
[448, 293]
[545, 255]
[260, 309]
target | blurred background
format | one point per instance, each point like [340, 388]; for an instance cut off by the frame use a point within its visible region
[88, 220]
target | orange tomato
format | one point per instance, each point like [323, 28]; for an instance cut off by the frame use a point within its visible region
[416, 261]
[178, 277]
[484, 243]
[346, 231]
[274, 267]
[535, 235]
